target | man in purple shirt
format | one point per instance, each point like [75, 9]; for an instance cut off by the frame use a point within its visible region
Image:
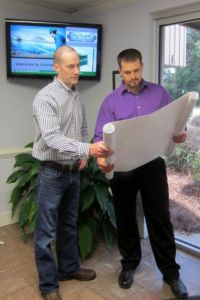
[137, 97]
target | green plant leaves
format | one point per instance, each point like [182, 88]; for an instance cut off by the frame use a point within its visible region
[25, 159]
[24, 213]
[85, 240]
[102, 196]
[108, 233]
[15, 176]
[96, 211]
[87, 198]
[85, 181]
[195, 168]
[100, 177]
[111, 212]
[16, 198]
[30, 145]
[96, 207]
[23, 194]
[185, 159]
[24, 179]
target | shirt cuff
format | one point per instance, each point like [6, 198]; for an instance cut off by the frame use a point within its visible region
[83, 150]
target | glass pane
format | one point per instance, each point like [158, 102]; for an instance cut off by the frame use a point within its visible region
[179, 74]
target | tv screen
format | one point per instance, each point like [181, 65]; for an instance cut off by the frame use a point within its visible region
[31, 45]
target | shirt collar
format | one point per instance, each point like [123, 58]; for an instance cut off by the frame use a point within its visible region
[123, 88]
[62, 84]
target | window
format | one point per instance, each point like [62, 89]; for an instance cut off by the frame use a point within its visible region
[177, 41]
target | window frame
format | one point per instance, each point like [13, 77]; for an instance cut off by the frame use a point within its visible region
[168, 17]
[162, 20]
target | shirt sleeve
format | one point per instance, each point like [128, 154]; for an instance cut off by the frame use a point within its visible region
[84, 147]
[84, 128]
[105, 115]
[46, 117]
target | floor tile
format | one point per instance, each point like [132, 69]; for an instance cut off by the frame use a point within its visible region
[27, 293]
[84, 294]
[10, 284]
[107, 285]
[19, 278]
[144, 296]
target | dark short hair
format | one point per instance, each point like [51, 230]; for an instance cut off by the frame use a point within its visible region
[128, 55]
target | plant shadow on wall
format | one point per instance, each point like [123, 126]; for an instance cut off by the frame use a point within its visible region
[184, 181]
[96, 213]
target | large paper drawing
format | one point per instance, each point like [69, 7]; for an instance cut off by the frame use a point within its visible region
[139, 140]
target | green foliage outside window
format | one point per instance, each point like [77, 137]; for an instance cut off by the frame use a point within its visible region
[185, 79]
[185, 159]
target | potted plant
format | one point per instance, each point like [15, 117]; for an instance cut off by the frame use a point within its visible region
[96, 213]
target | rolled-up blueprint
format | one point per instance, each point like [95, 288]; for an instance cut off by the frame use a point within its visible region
[139, 140]
[184, 114]
[108, 137]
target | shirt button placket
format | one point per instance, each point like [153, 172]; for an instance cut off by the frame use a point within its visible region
[137, 100]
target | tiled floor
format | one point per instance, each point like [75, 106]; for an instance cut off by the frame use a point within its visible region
[18, 276]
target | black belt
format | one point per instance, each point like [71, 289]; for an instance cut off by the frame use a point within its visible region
[56, 166]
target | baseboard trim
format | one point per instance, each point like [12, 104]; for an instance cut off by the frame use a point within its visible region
[187, 248]
[6, 219]
[12, 152]
[188, 298]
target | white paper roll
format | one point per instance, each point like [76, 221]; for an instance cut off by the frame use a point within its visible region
[108, 137]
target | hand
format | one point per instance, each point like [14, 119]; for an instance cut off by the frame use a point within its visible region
[104, 167]
[180, 138]
[82, 164]
[100, 149]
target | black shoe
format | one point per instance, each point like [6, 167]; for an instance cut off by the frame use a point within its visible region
[177, 287]
[81, 274]
[126, 279]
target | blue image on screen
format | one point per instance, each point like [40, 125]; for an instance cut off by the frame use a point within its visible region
[32, 46]
[35, 41]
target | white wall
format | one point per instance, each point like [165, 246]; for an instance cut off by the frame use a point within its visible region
[128, 26]
[16, 126]
[16, 95]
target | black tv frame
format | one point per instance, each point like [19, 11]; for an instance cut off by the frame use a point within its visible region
[10, 21]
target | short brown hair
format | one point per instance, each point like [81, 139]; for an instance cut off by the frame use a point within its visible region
[130, 54]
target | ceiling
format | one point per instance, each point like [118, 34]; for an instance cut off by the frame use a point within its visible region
[72, 7]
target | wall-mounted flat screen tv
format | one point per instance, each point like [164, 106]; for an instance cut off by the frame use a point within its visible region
[30, 46]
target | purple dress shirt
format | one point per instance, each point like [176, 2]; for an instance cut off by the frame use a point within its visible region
[121, 104]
